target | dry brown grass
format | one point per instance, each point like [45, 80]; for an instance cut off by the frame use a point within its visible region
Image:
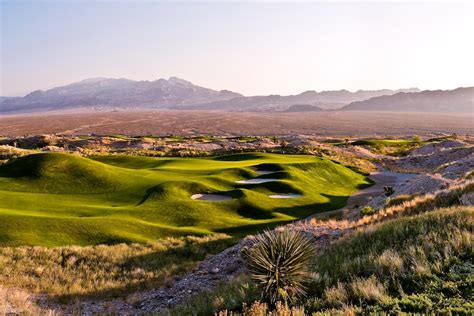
[18, 302]
[336, 295]
[368, 289]
[103, 270]
[262, 309]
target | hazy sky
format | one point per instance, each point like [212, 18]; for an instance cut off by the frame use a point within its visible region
[248, 47]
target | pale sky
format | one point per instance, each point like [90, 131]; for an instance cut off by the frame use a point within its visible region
[248, 47]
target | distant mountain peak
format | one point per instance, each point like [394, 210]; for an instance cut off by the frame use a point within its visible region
[308, 92]
[93, 80]
[179, 80]
[177, 93]
[34, 94]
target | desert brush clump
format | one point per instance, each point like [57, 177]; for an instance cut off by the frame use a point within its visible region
[399, 199]
[278, 261]
[367, 210]
[258, 308]
[18, 302]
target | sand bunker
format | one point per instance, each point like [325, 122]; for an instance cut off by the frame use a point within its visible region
[211, 197]
[256, 181]
[264, 172]
[285, 196]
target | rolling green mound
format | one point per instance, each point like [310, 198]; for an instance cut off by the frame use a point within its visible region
[54, 199]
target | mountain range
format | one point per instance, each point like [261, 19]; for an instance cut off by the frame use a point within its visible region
[116, 93]
[457, 100]
[324, 100]
[176, 93]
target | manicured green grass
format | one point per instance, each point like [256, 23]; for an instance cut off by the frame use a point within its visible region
[390, 146]
[55, 199]
[384, 142]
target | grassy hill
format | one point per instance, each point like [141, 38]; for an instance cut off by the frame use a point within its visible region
[54, 199]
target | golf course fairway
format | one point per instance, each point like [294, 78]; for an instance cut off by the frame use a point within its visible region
[54, 199]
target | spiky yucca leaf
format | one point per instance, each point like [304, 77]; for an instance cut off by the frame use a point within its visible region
[278, 261]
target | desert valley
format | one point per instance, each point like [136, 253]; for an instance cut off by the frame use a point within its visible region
[320, 166]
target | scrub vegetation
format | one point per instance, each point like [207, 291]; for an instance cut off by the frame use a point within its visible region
[104, 271]
[418, 264]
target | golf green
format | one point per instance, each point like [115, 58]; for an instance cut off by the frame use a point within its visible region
[54, 199]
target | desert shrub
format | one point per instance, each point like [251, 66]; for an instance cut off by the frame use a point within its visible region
[388, 190]
[415, 303]
[262, 309]
[17, 302]
[397, 200]
[227, 296]
[278, 262]
[367, 289]
[367, 210]
[336, 295]
[379, 148]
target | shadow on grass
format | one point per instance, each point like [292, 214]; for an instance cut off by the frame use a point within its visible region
[153, 190]
[300, 212]
[244, 230]
[239, 156]
[273, 186]
[252, 212]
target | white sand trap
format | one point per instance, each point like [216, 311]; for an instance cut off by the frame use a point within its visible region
[256, 181]
[264, 172]
[285, 196]
[211, 197]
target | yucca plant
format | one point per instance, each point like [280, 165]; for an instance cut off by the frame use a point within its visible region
[278, 262]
